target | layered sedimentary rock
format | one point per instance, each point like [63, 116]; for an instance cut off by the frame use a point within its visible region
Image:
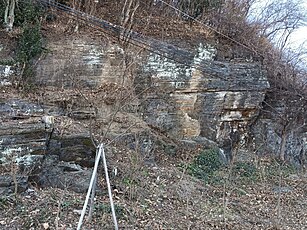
[196, 98]
[200, 98]
[80, 60]
[210, 99]
[27, 140]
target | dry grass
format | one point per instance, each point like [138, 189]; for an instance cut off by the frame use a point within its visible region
[163, 197]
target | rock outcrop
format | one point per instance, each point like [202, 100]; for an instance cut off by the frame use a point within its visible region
[280, 130]
[206, 100]
[201, 99]
[196, 101]
[27, 142]
[80, 61]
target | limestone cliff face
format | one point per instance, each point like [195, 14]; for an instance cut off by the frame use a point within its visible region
[210, 99]
[80, 60]
[201, 99]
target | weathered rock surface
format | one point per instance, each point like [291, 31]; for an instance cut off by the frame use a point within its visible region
[215, 100]
[203, 102]
[269, 133]
[201, 98]
[25, 142]
[22, 134]
[8, 184]
[64, 175]
[83, 61]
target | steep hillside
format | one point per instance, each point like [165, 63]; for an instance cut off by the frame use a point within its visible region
[195, 133]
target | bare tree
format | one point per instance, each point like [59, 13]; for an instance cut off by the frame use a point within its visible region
[127, 19]
[279, 19]
[88, 7]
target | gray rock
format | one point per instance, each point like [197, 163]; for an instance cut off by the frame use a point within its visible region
[218, 101]
[200, 98]
[282, 189]
[266, 138]
[63, 175]
[74, 148]
[7, 184]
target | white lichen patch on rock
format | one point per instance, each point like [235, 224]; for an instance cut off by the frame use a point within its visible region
[164, 67]
[18, 155]
[5, 82]
[176, 74]
[94, 56]
[5, 72]
[114, 51]
[16, 151]
[220, 95]
[10, 154]
[204, 53]
[236, 98]
[11, 151]
[28, 160]
[231, 116]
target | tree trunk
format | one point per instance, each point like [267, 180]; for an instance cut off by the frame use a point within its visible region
[6, 12]
[9, 15]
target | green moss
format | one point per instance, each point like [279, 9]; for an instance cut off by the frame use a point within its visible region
[275, 169]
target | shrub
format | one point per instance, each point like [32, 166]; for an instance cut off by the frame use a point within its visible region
[205, 164]
[27, 12]
[245, 169]
[30, 46]
[30, 43]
